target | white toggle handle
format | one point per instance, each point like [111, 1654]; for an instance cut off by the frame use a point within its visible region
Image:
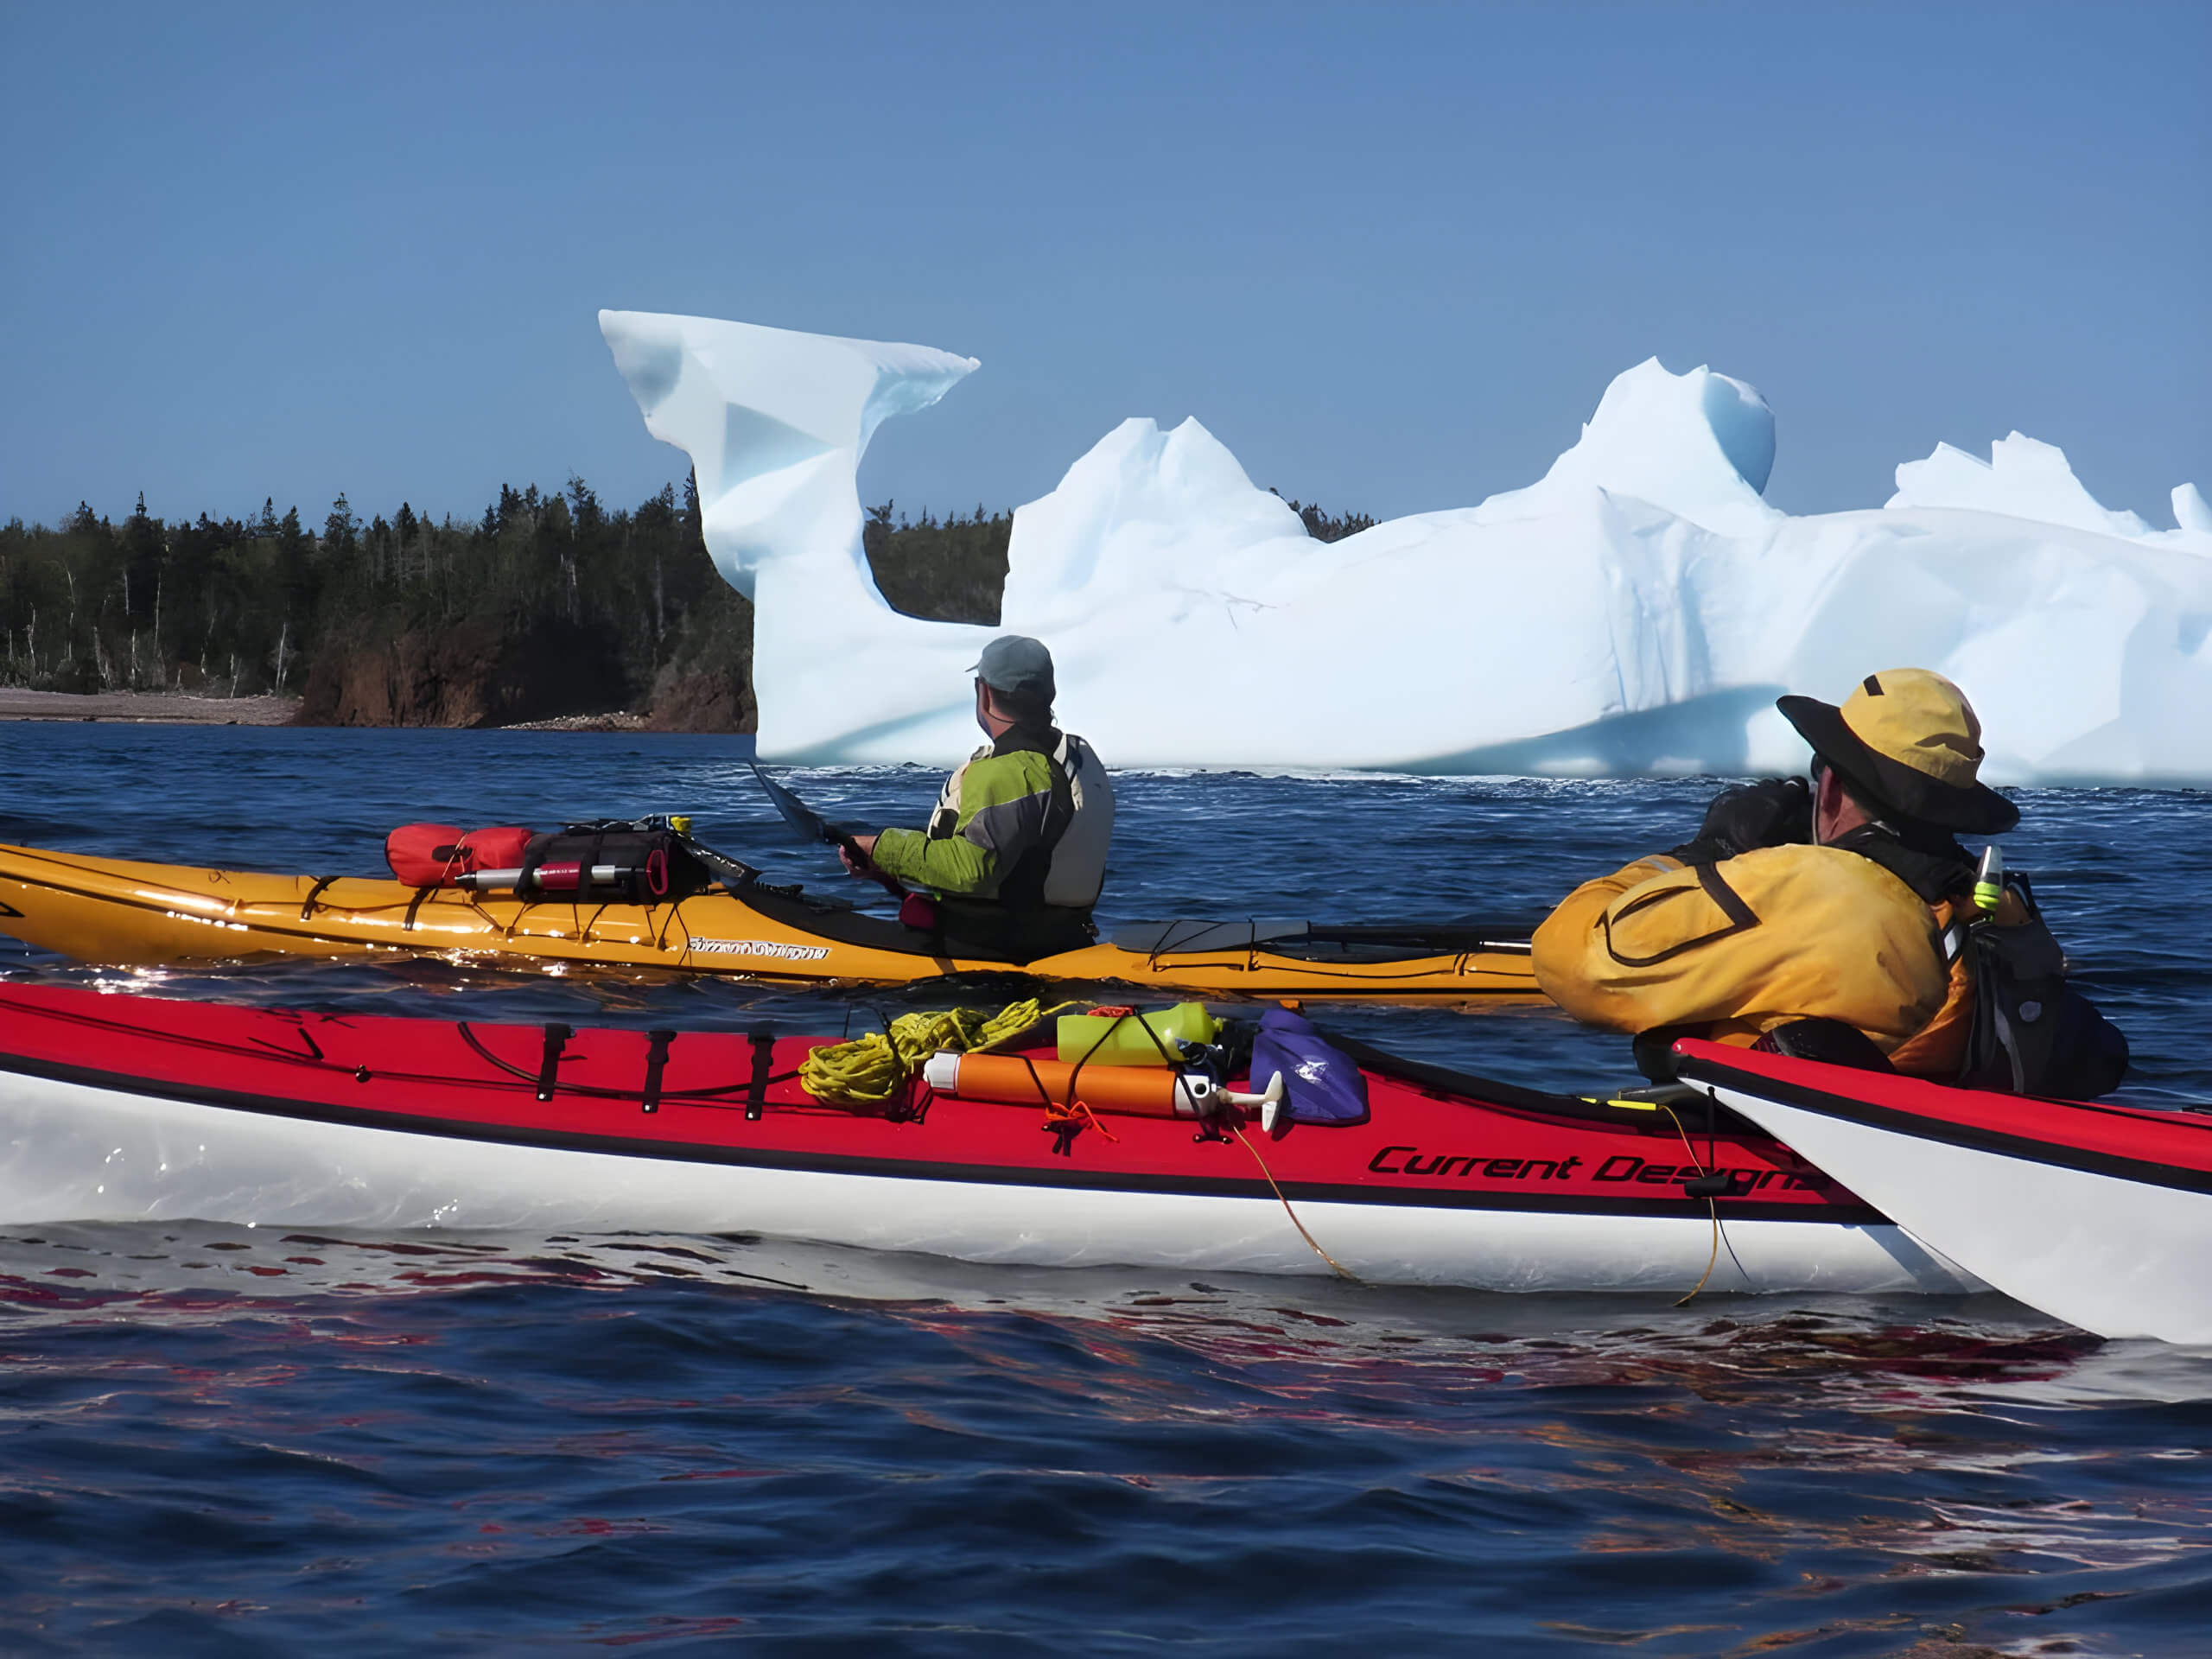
[1270, 1101]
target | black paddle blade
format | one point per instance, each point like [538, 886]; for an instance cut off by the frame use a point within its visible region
[794, 811]
[803, 818]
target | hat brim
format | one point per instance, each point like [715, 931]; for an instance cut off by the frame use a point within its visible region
[1891, 784]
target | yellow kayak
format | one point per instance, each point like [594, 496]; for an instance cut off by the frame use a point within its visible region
[124, 912]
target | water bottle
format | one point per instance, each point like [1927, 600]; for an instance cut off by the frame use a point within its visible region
[1989, 881]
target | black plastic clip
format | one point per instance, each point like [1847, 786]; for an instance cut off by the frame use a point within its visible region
[763, 1038]
[557, 1038]
[1721, 1184]
[657, 1044]
[314, 1048]
[314, 892]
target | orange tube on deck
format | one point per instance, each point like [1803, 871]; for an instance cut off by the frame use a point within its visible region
[1011, 1081]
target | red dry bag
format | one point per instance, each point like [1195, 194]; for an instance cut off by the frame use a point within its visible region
[432, 855]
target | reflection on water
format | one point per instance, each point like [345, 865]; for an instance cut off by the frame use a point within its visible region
[406, 1413]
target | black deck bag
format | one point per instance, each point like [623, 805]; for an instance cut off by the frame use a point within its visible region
[2033, 1034]
[645, 866]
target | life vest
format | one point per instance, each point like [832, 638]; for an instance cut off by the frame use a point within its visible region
[1067, 867]
[1938, 1049]
[2009, 1020]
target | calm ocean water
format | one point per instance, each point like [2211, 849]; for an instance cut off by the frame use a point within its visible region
[216, 1440]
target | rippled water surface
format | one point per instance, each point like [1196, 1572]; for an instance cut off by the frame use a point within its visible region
[228, 1440]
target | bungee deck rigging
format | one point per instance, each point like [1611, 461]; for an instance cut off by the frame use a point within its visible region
[128, 912]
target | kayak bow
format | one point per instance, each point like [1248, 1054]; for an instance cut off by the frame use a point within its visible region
[2099, 1215]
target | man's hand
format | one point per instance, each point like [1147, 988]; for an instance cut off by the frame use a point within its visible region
[864, 866]
[1774, 812]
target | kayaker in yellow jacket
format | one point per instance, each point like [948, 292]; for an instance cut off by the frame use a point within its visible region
[1014, 854]
[1793, 904]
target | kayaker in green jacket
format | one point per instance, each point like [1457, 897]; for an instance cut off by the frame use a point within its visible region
[1015, 850]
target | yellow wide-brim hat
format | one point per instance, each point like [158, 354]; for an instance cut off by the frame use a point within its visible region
[1908, 741]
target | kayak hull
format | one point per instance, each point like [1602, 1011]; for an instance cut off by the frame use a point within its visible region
[131, 914]
[116, 1107]
[2101, 1216]
[138, 1159]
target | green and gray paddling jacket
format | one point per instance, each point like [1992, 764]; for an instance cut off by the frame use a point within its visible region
[1024, 823]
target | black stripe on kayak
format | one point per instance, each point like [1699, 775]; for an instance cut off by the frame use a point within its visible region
[1678, 1208]
[1443, 1083]
[2028, 1149]
[1468, 1089]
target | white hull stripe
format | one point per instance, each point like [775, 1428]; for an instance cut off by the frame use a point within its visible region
[72, 1151]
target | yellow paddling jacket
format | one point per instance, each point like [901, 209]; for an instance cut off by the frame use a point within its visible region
[1755, 941]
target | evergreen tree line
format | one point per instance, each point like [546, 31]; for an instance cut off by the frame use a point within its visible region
[950, 570]
[610, 599]
[551, 603]
[94, 605]
[1326, 526]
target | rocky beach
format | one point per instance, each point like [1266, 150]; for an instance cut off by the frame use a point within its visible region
[165, 708]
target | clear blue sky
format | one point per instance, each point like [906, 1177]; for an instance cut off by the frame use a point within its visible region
[1390, 255]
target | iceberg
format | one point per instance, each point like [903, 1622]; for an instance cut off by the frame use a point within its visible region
[775, 423]
[1635, 610]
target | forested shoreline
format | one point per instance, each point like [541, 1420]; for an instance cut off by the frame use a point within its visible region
[551, 605]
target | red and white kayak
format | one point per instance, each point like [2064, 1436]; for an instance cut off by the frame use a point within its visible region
[124, 1107]
[2099, 1215]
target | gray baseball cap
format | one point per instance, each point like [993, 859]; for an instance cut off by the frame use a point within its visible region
[1016, 664]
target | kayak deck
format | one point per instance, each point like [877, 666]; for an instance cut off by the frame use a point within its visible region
[127, 912]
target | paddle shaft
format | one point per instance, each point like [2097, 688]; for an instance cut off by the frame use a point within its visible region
[851, 848]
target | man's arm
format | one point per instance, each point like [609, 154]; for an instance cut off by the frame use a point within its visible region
[1772, 935]
[1575, 967]
[1003, 800]
[1576, 959]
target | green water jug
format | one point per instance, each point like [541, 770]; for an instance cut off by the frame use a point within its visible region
[1135, 1039]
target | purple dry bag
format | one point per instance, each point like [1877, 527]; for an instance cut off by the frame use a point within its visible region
[1321, 1086]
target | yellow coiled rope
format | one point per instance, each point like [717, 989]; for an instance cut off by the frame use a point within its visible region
[873, 1068]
